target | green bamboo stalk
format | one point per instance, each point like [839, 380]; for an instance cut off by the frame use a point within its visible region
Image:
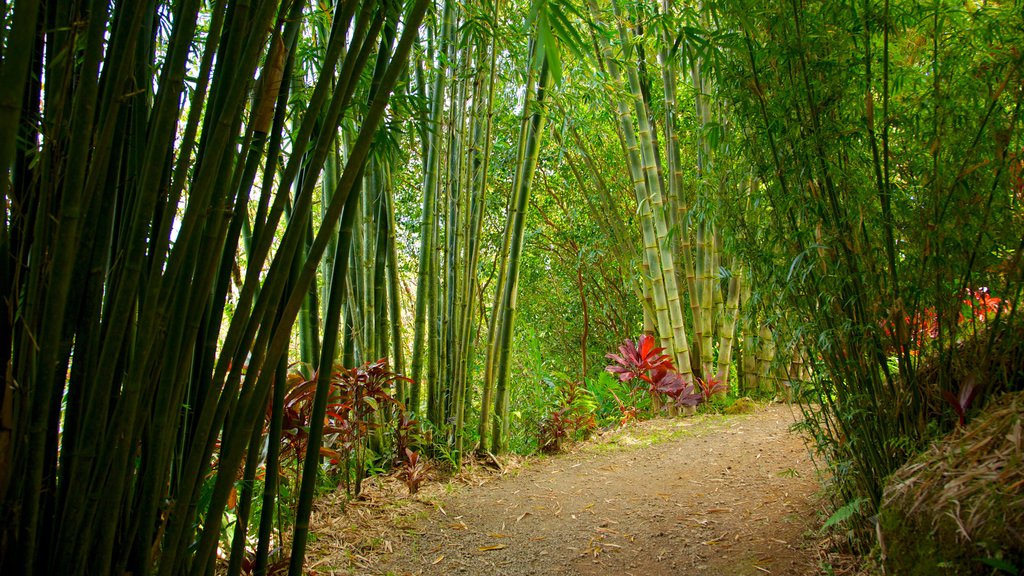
[705, 294]
[534, 118]
[428, 222]
[765, 355]
[492, 333]
[243, 505]
[271, 472]
[379, 285]
[435, 407]
[311, 462]
[480, 181]
[17, 59]
[717, 298]
[750, 336]
[394, 290]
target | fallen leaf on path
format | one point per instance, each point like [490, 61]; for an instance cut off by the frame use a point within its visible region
[714, 510]
[494, 547]
[521, 516]
[438, 560]
[498, 535]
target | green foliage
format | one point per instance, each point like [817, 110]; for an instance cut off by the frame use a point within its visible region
[844, 513]
[571, 416]
[885, 137]
[617, 402]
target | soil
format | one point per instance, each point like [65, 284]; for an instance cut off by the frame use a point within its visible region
[730, 495]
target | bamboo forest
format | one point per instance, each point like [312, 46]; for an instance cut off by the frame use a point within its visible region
[511, 287]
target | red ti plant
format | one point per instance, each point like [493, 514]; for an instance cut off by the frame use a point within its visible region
[961, 402]
[671, 384]
[356, 394]
[646, 361]
[415, 471]
[636, 360]
[298, 406]
[712, 386]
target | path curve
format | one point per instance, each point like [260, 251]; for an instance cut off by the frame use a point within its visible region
[706, 495]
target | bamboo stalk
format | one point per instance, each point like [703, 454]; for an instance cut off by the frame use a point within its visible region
[534, 117]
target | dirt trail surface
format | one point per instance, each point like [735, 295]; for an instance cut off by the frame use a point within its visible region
[731, 495]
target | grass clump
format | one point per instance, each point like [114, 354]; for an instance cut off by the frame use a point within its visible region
[959, 507]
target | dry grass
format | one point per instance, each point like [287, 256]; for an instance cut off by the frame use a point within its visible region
[351, 536]
[969, 489]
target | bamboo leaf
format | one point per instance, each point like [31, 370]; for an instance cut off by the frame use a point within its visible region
[844, 513]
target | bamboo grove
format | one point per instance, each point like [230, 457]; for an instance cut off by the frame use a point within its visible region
[245, 236]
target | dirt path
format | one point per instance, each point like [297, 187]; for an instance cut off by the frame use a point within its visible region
[705, 495]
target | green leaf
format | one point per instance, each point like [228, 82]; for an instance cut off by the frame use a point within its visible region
[844, 513]
[546, 46]
[1001, 565]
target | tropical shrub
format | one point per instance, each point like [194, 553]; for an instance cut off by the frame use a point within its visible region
[646, 362]
[571, 416]
[361, 403]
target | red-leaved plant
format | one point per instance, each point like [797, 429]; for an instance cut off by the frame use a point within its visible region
[961, 402]
[647, 362]
[711, 386]
[356, 394]
[636, 360]
[415, 470]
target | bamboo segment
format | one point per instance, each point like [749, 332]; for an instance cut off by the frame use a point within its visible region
[705, 247]
[729, 328]
[765, 355]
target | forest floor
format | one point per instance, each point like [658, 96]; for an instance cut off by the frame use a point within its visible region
[730, 495]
